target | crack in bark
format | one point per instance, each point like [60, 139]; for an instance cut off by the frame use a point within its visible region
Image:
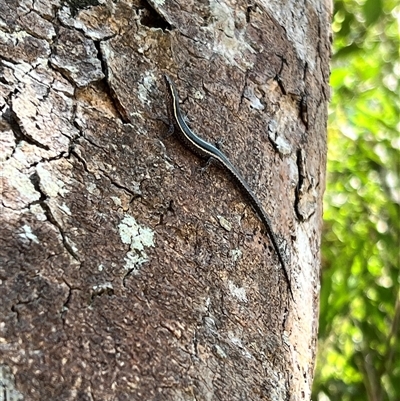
[35, 179]
[121, 186]
[77, 5]
[119, 108]
[278, 77]
[304, 208]
[65, 307]
[12, 119]
[155, 18]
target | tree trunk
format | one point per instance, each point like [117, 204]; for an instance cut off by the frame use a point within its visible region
[126, 273]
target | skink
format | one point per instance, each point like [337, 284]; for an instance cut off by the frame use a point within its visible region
[208, 151]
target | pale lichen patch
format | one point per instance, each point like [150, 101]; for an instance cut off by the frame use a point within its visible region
[9, 389]
[27, 235]
[237, 292]
[138, 237]
[145, 87]
[254, 100]
[235, 254]
[65, 209]
[92, 189]
[229, 41]
[117, 201]
[224, 223]
[237, 342]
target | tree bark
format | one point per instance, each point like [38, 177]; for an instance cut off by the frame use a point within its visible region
[126, 274]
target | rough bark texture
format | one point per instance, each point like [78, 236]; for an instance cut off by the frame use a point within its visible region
[125, 273]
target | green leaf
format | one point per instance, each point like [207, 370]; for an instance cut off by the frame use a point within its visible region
[372, 11]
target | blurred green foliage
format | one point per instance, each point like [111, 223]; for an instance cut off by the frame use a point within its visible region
[359, 334]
